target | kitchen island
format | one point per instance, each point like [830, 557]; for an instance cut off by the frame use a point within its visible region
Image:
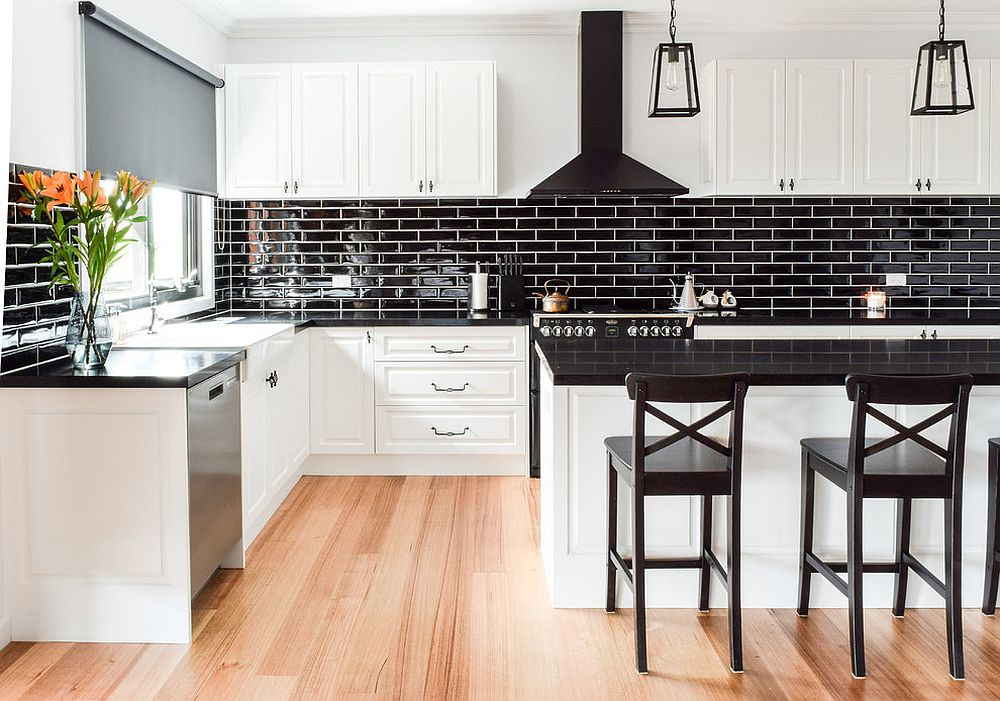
[796, 391]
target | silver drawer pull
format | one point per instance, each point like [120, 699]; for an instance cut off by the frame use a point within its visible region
[450, 389]
[450, 433]
[449, 351]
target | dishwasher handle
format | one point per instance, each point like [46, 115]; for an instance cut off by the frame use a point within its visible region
[216, 391]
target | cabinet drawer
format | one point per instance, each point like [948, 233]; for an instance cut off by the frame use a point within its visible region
[449, 344]
[451, 430]
[450, 383]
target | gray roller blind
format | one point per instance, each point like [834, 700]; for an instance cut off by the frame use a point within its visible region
[148, 110]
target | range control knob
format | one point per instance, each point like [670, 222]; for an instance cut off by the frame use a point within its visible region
[557, 331]
[654, 331]
[643, 330]
[579, 331]
[633, 330]
[590, 331]
[678, 331]
[545, 331]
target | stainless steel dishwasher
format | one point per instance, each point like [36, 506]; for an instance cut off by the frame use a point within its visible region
[214, 473]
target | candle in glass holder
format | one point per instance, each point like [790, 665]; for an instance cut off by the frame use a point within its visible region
[875, 299]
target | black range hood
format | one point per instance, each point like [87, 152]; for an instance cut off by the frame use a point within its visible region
[602, 168]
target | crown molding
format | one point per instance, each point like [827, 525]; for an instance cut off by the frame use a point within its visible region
[543, 24]
[845, 19]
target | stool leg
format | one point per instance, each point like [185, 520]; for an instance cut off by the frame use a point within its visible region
[855, 567]
[639, 576]
[992, 536]
[705, 576]
[808, 505]
[612, 535]
[733, 567]
[953, 584]
[904, 509]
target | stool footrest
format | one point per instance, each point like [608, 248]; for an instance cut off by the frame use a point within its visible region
[925, 574]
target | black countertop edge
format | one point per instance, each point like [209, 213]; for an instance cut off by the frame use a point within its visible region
[131, 368]
[783, 362]
[304, 320]
[856, 317]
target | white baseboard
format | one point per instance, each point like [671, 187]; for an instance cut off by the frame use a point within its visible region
[429, 465]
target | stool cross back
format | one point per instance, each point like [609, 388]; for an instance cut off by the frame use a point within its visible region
[904, 466]
[686, 462]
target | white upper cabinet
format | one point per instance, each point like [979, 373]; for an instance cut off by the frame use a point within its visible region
[324, 130]
[886, 138]
[954, 155]
[258, 162]
[751, 126]
[291, 131]
[819, 99]
[994, 123]
[899, 154]
[428, 129]
[392, 129]
[461, 128]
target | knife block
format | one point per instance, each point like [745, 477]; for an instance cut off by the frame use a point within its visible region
[510, 293]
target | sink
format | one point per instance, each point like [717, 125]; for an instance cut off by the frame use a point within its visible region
[217, 333]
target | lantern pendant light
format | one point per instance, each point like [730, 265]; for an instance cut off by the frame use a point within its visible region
[943, 84]
[673, 91]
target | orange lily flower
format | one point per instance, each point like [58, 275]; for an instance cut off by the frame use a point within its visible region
[59, 190]
[32, 182]
[90, 186]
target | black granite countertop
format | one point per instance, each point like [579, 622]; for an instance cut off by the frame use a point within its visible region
[833, 317]
[304, 320]
[132, 367]
[802, 362]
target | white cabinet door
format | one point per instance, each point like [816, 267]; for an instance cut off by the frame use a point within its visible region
[392, 129]
[994, 101]
[342, 391]
[254, 443]
[297, 401]
[277, 424]
[324, 133]
[955, 149]
[461, 128]
[751, 127]
[258, 162]
[819, 114]
[886, 137]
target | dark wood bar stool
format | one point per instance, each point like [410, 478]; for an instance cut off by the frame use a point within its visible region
[992, 532]
[686, 462]
[904, 467]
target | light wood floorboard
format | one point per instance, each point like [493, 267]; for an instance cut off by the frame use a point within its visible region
[422, 587]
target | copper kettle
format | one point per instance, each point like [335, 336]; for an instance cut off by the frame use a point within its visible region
[553, 300]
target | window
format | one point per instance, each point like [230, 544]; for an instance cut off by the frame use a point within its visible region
[169, 252]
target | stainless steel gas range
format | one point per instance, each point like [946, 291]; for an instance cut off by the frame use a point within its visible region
[601, 326]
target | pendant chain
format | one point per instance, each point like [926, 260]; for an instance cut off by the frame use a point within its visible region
[941, 23]
[673, 21]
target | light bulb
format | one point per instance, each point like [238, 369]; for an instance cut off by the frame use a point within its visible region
[673, 78]
[942, 72]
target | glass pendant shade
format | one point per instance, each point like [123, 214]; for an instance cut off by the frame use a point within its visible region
[944, 81]
[673, 91]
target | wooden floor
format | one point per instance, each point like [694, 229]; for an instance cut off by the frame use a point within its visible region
[433, 588]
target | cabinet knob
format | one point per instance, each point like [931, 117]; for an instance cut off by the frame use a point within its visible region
[296, 187]
[420, 186]
[430, 186]
[791, 184]
[928, 184]
[286, 187]
[920, 185]
[781, 184]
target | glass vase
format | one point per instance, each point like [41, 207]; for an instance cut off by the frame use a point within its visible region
[88, 336]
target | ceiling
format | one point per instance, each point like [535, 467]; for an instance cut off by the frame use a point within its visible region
[282, 17]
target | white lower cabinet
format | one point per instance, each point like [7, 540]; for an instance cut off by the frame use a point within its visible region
[420, 390]
[275, 425]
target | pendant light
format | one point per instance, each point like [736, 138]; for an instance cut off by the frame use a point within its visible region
[673, 91]
[943, 84]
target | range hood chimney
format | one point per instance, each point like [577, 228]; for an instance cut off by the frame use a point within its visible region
[602, 168]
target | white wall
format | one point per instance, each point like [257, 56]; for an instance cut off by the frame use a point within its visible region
[46, 92]
[537, 76]
[6, 22]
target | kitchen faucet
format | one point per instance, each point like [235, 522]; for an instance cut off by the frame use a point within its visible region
[155, 286]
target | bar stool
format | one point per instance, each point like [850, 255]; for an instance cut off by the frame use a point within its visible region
[686, 462]
[992, 532]
[905, 466]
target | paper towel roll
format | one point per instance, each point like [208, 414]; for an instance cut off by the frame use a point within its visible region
[479, 291]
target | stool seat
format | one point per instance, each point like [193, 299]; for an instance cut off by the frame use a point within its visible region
[667, 468]
[906, 469]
